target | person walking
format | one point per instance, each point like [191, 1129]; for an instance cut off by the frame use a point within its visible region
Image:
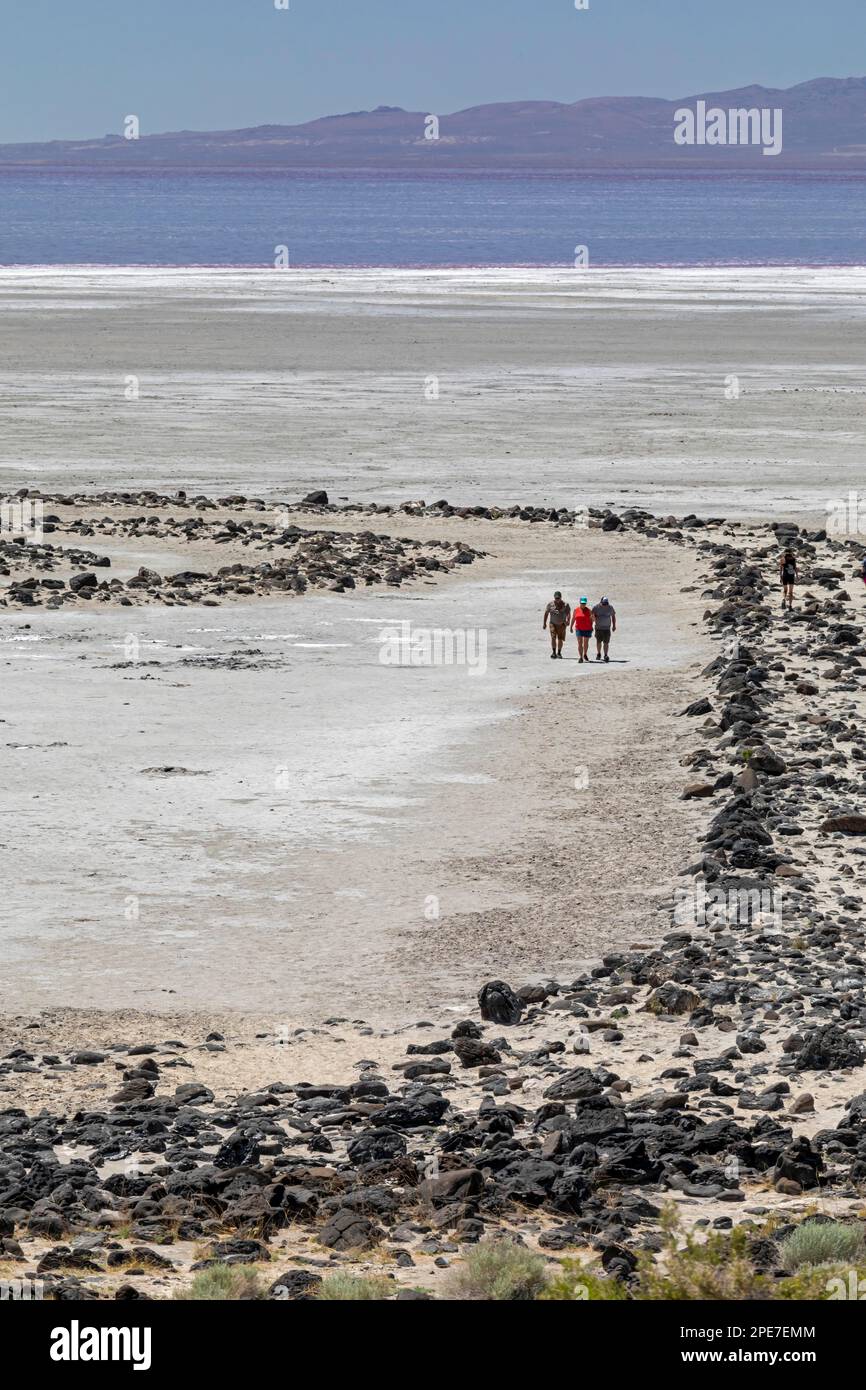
[604, 615]
[556, 616]
[582, 624]
[788, 576]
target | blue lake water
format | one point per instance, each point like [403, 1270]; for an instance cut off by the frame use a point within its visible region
[461, 220]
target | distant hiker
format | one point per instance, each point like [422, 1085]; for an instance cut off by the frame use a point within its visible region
[604, 615]
[582, 625]
[557, 614]
[863, 569]
[788, 575]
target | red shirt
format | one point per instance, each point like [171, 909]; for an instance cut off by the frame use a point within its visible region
[582, 620]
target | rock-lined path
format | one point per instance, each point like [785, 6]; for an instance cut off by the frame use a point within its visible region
[721, 1069]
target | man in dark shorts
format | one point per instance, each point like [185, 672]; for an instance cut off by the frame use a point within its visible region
[557, 615]
[604, 616]
[788, 576]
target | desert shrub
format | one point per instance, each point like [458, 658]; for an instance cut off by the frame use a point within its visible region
[344, 1288]
[717, 1268]
[697, 1280]
[223, 1283]
[499, 1271]
[821, 1257]
[579, 1284]
[822, 1242]
[816, 1283]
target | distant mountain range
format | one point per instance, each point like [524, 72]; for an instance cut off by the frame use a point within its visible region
[823, 128]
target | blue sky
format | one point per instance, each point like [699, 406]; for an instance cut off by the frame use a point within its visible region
[76, 67]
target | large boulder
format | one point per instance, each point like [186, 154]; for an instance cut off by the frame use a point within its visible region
[798, 1163]
[527, 1180]
[376, 1146]
[240, 1148]
[848, 824]
[193, 1092]
[296, 1286]
[697, 707]
[829, 1048]
[270, 1209]
[764, 759]
[79, 582]
[692, 790]
[671, 998]
[349, 1230]
[427, 1108]
[574, 1085]
[454, 1186]
[473, 1053]
[499, 1004]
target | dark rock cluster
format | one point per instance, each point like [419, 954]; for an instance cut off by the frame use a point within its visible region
[29, 567]
[300, 559]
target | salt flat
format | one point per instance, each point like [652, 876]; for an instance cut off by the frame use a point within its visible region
[725, 390]
[337, 797]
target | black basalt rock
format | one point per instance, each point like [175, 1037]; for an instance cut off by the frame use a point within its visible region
[499, 1004]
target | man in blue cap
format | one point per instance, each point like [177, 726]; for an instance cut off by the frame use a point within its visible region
[582, 625]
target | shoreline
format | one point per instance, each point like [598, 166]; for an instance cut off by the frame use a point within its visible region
[425, 267]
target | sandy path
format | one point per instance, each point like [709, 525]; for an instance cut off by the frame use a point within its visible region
[435, 792]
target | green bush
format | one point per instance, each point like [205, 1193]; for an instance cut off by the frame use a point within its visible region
[577, 1284]
[822, 1242]
[343, 1288]
[499, 1271]
[223, 1283]
[815, 1284]
[717, 1269]
[822, 1258]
